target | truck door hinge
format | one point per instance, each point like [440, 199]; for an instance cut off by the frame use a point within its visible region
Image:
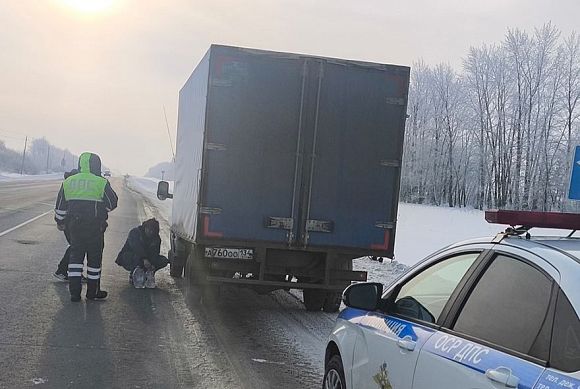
[219, 82]
[390, 163]
[385, 225]
[215, 146]
[319, 225]
[282, 223]
[395, 101]
[210, 210]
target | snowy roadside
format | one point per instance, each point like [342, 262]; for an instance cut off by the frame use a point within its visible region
[148, 187]
[26, 177]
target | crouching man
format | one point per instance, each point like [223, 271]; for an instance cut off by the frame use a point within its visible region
[140, 254]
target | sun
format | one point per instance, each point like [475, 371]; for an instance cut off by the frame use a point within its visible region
[89, 6]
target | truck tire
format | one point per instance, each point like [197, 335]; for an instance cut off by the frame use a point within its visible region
[177, 257]
[195, 271]
[332, 302]
[313, 299]
[175, 269]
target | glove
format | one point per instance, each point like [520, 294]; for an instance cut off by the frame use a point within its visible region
[60, 226]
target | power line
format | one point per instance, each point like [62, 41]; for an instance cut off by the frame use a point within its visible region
[169, 133]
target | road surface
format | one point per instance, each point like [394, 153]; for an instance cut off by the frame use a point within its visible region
[137, 338]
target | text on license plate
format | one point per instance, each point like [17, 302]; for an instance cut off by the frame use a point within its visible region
[215, 252]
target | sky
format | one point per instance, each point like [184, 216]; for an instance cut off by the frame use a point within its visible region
[95, 75]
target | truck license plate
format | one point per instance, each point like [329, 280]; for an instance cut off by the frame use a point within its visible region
[216, 252]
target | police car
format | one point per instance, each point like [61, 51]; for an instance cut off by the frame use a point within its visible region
[487, 313]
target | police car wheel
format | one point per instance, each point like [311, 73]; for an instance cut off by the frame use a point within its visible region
[334, 374]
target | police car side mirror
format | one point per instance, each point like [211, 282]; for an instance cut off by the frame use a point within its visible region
[163, 191]
[365, 295]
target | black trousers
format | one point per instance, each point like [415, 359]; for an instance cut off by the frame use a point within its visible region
[63, 264]
[129, 261]
[86, 239]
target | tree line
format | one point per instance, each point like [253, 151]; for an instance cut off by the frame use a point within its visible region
[40, 157]
[499, 133]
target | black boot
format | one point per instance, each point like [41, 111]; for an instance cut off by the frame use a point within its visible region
[94, 291]
[74, 286]
[100, 295]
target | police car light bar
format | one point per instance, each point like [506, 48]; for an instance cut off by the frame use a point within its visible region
[529, 219]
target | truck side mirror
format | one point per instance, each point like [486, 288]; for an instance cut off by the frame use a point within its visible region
[365, 295]
[163, 191]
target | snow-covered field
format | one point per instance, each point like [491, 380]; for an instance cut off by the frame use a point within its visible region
[148, 187]
[424, 229]
[421, 230]
[25, 177]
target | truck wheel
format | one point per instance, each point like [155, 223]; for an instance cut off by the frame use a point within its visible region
[332, 302]
[175, 270]
[177, 256]
[313, 299]
[196, 269]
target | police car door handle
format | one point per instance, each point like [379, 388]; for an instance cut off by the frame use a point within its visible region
[503, 375]
[407, 343]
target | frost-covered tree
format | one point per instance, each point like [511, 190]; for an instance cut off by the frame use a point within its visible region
[501, 132]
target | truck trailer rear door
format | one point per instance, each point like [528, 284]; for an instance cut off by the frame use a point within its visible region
[355, 158]
[253, 118]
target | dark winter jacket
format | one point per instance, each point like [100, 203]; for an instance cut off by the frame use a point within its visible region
[71, 173]
[90, 210]
[140, 246]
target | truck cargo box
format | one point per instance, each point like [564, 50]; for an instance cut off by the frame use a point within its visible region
[290, 151]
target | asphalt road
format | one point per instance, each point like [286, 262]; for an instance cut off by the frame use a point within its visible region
[137, 338]
[21, 201]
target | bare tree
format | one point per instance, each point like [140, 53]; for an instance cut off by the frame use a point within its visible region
[501, 133]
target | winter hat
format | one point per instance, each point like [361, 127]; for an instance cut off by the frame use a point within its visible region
[153, 224]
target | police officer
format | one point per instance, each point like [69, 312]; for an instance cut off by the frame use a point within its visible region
[62, 270]
[83, 203]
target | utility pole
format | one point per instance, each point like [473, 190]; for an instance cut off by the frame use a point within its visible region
[47, 158]
[23, 155]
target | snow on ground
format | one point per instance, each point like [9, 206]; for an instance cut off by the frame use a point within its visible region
[424, 229]
[421, 230]
[26, 177]
[148, 188]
